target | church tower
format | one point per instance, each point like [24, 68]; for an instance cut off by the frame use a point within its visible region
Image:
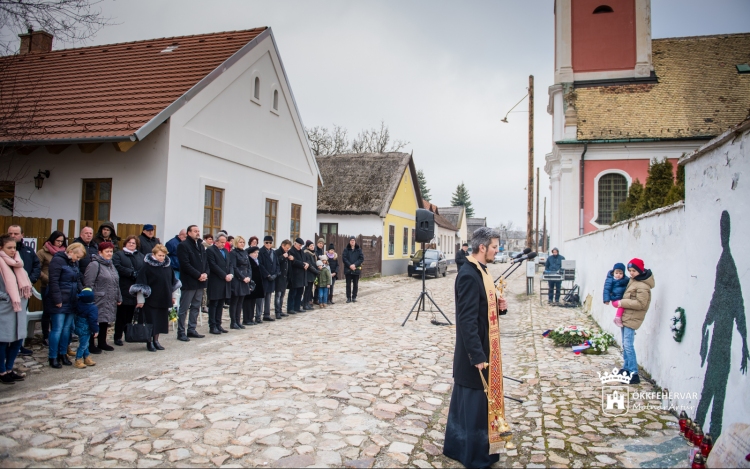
[602, 40]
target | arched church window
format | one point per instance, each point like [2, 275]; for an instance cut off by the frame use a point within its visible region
[603, 9]
[613, 190]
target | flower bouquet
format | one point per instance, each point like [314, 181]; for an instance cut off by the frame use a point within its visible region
[599, 343]
[568, 336]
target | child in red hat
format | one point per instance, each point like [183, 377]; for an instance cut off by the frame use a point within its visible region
[635, 303]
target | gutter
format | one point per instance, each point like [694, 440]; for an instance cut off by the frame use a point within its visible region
[69, 141]
[633, 140]
[582, 187]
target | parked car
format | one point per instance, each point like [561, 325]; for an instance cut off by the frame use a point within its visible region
[513, 254]
[435, 261]
[501, 257]
[541, 258]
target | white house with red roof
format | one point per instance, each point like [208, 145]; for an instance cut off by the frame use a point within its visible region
[175, 131]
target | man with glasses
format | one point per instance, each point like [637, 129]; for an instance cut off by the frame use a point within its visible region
[31, 263]
[269, 270]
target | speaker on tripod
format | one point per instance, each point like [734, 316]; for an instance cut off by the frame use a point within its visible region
[425, 232]
[425, 226]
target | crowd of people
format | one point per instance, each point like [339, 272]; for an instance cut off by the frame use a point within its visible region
[100, 281]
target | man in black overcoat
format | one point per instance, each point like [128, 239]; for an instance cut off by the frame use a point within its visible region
[466, 435]
[193, 274]
[269, 270]
[461, 256]
[219, 282]
[283, 261]
[297, 277]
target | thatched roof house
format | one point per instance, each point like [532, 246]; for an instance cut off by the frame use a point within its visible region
[362, 183]
[371, 194]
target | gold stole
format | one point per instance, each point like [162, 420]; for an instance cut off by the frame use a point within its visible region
[497, 427]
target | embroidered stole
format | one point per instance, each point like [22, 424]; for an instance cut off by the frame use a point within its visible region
[497, 427]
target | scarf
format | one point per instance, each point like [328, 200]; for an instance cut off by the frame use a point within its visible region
[497, 427]
[16, 279]
[128, 250]
[52, 249]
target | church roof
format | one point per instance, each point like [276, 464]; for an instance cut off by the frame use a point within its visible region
[699, 93]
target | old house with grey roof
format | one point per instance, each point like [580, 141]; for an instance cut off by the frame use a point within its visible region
[446, 233]
[621, 99]
[372, 194]
[175, 131]
[457, 217]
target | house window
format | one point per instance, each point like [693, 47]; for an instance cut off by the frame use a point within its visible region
[391, 240]
[613, 189]
[406, 241]
[256, 88]
[413, 240]
[276, 100]
[213, 204]
[294, 229]
[7, 197]
[97, 200]
[329, 228]
[271, 210]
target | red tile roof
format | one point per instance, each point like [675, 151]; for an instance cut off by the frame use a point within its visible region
[439, 219]
[107, 91]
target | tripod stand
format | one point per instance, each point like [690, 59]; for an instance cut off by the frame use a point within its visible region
[419, 304]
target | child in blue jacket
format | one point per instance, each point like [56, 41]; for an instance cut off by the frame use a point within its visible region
[614, 288]
[87, 323]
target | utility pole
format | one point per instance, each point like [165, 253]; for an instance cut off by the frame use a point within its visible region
[544, 230]
[530, 185]
[536, 226]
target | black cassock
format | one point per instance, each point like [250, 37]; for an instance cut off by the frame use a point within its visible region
[466, 436]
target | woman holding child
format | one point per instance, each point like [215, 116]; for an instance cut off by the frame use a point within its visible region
[64, 285]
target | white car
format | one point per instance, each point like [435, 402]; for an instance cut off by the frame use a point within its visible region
[501, 257]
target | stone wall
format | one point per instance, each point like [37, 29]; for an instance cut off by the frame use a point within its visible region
[701, 262]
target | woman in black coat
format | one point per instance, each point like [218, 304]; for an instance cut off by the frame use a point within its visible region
[155, 290]
[258, 293]
[297, 278]
[240, 282]
[352, 258]
[333, 264]
[128, 262]
[311, 275]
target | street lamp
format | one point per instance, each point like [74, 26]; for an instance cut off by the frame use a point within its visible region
[505, 119]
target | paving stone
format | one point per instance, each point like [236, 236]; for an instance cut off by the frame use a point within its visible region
[365, 463]
[297, 460]
[123, 455]
[43, 454]
[399, 447]
[178, 454]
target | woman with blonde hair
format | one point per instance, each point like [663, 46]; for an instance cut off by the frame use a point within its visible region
[156, 290]
[15, 291]
[64, 285]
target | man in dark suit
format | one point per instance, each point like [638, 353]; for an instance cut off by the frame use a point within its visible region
[269, 270]
[219, 282]
[297, 277]
[194, 274]
[282, 261]
[461, 256]
[466, 433]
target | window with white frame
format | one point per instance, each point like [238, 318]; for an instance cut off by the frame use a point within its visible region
[611, 191]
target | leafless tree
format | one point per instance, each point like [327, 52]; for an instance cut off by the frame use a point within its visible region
[376, 141]
[325, 143]
[69, 21]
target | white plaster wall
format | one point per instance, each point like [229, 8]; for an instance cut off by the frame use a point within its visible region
[681, 245]
[138, 181]
[225, 138]
[353, 225]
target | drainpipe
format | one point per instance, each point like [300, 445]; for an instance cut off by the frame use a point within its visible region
[583, 156]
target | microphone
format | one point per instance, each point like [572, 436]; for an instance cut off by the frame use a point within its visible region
[525, 251]
[527, 257]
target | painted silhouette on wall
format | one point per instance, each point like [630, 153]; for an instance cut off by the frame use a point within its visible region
[726, 308]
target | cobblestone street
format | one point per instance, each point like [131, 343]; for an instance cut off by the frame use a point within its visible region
[343, 386]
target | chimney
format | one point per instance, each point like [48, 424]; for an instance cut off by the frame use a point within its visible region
[35, 42]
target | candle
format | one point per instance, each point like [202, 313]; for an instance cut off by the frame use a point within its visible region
[706, 445]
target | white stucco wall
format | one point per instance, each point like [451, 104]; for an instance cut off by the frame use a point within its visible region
[138, 181]
[682, 246]
[225, 138]
[353, 225]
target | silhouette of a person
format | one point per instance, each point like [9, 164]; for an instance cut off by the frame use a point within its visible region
[726, 308]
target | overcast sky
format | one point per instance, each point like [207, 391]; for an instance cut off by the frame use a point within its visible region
[441, 74]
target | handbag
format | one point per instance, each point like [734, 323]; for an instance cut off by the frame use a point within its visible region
[138, 331]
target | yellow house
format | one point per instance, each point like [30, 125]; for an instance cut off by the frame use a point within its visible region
[371, 194]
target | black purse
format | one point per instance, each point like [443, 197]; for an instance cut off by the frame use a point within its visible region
[138, 331]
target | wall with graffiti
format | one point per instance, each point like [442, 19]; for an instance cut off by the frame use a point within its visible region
[699, 252]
